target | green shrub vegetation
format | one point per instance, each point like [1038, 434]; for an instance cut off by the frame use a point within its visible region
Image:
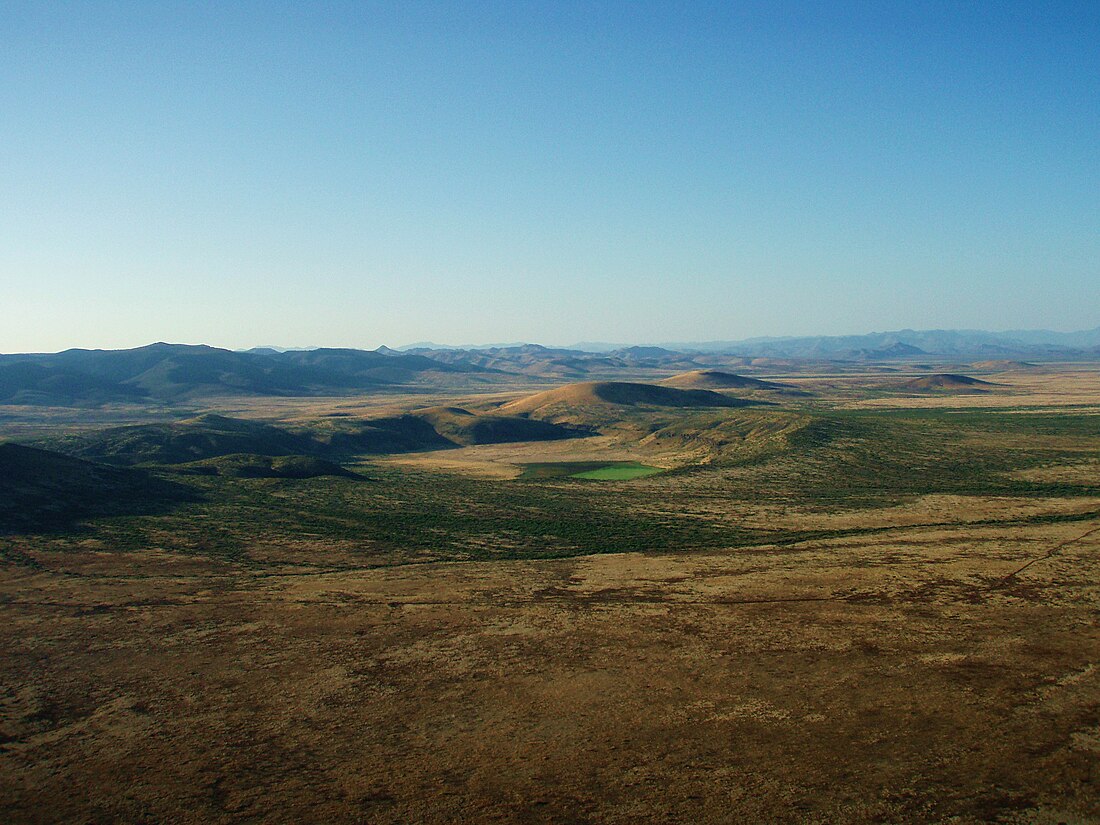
[229, 505]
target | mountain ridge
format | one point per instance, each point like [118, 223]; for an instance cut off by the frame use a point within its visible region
[930, 341]
[169, 373]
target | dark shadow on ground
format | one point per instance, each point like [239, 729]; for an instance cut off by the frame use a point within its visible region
[43, 491]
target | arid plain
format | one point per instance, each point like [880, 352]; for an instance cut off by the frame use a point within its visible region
[853, 595]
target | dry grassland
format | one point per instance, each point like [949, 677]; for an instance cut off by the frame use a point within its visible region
[926, 675]
[933, 656]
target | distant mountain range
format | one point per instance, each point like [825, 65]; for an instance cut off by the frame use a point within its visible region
[177, 372]
[168, 373]
[900, 343]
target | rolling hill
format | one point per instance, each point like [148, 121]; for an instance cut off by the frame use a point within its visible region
[718, 380]
[376, 436]
[41, 489]
[616, 393]
[463, 427]
[207, 436]
[1003, 365]
[948, 382]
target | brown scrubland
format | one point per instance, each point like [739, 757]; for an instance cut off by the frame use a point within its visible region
[859, 594]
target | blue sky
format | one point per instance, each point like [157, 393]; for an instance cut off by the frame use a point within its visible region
[361, 173]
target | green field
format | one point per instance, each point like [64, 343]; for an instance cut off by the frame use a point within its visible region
[589, 470]
[619, 472]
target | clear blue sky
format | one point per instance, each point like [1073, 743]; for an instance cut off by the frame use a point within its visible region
[361, 173]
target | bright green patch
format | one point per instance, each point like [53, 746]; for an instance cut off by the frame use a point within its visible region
[590, 470]
[619, 472]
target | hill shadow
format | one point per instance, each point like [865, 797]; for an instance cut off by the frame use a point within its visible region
[43, 491]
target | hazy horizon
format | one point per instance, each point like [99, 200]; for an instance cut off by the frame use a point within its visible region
[578, 344]
[348, 174]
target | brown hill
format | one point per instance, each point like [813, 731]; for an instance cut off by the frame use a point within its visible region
[206, 436]
[617, 393]
[718, 380]
[464, 427]
[948, 382]
[1001, 366]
